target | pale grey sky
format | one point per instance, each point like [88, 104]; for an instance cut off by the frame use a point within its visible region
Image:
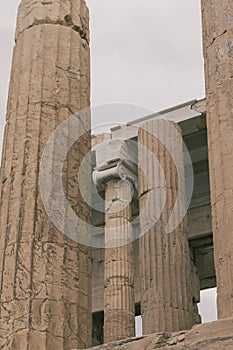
[147, 53]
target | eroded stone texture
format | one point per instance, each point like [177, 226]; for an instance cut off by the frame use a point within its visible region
[119, 301]
[218, 54]
[210, 336]
[167, 301]
[45, 277]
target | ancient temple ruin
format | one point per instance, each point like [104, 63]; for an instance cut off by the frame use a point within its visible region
[60, 294]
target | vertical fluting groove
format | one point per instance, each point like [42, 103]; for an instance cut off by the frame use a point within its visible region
[119, 284]
[57, 241]
[65, 255]
[22, 215]
[218, 56]
[166, 299]
[7, 179]
[35, 211]
[172, 243]
[8, 203]
[16, 149]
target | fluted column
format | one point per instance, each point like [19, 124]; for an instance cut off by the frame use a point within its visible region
[218, 55]
[166, 300]
[119, 308]
[116, 173]
[44, 277]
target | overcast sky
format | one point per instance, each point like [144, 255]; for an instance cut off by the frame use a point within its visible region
[147, 53]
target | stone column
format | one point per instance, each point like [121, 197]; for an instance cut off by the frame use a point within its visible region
[119, 304]
[119, 308]
[218, 55]
[165, 267]
[45, 277]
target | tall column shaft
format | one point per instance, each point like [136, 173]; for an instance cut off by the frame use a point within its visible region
[44, 277]
[166, 300]
[119, 305]
[218, 55]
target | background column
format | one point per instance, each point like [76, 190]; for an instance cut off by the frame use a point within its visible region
[116, 173]
[119, 304]
[166, 301]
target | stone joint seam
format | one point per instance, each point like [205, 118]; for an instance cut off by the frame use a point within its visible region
[61, 22]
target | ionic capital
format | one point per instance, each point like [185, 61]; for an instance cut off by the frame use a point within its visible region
[115, 159]
[118, 169]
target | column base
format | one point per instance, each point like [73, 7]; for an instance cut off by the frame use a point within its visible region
[209, 336]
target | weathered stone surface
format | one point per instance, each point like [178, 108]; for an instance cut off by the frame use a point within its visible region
[167, 301]
[218, 54]
[74, 15]
[45, 278]
[199, 225]
[211, 336]
[119, 300]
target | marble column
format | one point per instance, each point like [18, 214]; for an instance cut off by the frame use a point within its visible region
[119, 309]
[45, 277]
[218, 55]
[119, 304]
[165, 267]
